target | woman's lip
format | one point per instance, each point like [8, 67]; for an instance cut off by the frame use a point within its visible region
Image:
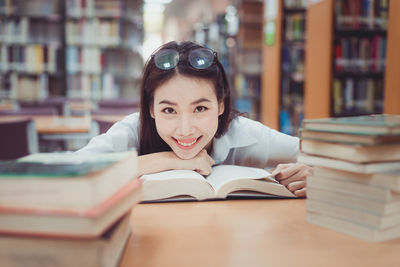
[186, 143]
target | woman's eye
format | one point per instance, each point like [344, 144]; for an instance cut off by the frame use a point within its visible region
[168, 110]
[200, 109]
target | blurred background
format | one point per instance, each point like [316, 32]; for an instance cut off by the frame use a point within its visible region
[71, 63]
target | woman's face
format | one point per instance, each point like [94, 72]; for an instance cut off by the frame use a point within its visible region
[186, 114]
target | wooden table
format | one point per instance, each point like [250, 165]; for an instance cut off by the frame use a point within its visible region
[48, 124]
[244, 233]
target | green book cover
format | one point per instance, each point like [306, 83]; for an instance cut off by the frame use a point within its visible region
[10, 169]
[378, 124]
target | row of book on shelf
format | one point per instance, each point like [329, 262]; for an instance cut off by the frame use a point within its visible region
[23, 30]
[75, 8]
[295, 4]
[295, 27]
[360, 54]
[355, 187]
[33, 58]
[30, 8]
[90, 8]
[369, 14]
[362, 95]
[82, 86]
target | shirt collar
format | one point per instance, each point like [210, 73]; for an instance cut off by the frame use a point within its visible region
[235, 137]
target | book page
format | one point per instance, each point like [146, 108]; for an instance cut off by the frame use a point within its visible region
[223, 174]
[175, 183]
[227, 179]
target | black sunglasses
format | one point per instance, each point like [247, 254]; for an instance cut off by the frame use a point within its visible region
[199, 58]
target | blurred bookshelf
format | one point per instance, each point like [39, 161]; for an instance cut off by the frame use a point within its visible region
[248, 64]
[237, 37]
[292, 75]
[359, 56]
[81, 49]
[352, 65]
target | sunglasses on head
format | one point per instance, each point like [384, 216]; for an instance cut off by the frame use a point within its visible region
[199, 58]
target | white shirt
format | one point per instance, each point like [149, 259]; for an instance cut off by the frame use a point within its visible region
[247, 142]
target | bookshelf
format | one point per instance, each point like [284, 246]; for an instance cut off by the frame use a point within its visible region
[284, 75]
[30, 48]
[236, 36]
[87, 49]
[103, 43]
[323, 39]
[352, 44]
[292, 66]
[247, 64]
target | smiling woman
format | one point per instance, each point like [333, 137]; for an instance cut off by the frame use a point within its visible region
[186, 121]
[186, 114]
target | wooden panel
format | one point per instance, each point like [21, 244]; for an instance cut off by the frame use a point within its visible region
[392, 73]
[270, 80]
[318, 59]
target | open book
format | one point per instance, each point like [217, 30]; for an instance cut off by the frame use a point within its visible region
[224, 181]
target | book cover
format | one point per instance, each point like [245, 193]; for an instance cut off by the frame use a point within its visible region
[54, 187]
[70, 223]
[379, 124]
[351, 166]
[352, 152]
[349, 138]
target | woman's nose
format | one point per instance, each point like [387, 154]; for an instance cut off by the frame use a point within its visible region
[185, 125]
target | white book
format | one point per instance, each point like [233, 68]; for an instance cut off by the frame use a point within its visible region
[348, 165]
[363, 232]
[364, 218]
[353, 201]
[389, 179]
[361, 190]
[224, 181]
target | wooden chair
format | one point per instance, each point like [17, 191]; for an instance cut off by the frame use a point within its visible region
[18, 139]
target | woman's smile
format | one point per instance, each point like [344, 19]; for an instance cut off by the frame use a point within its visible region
[187, 143]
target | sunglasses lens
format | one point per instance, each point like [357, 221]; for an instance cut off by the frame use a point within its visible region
[166, 59]
[201, 58]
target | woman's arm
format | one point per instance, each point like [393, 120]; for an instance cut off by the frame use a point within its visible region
[162, 161]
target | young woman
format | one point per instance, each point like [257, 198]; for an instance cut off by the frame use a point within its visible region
[186, 121]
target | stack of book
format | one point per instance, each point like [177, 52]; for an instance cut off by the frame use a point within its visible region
[66, 209]
[355, 187]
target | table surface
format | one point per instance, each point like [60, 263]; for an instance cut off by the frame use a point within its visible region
[244, 233]
[49, 124]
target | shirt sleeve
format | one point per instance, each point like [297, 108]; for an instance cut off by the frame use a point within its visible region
[283, 148]
[122, 136]
[273, 146]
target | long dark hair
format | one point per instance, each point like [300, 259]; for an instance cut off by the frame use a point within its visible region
[153, 77]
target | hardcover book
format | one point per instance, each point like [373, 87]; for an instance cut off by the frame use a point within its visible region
[104, 251]
[225, 181]
[380, 124]
[70, 223]
[49, 180]
[352, 152]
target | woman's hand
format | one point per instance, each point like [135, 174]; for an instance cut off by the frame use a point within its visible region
[201, 163]
[293, 176]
